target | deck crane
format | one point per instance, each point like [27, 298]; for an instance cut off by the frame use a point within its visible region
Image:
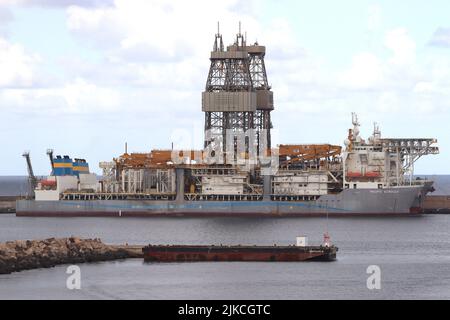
[32, 180]
[50, 155]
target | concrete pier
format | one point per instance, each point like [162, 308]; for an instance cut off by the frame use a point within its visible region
[437, 204]
[8, 204]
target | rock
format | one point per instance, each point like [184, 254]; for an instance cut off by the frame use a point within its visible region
[30, 254]
[75, 240]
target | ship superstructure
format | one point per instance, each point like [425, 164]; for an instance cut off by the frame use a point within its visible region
[239, 172]
[381, 162]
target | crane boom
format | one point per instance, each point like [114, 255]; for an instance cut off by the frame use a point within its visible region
[50, 155]
[32, 180]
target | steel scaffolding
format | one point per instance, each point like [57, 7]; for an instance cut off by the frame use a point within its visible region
[237, 97]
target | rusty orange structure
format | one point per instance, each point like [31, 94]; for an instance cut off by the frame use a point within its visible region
[191, 253]
[295, 153]
[154, 159]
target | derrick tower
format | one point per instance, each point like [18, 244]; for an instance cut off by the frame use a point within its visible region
[237, 98]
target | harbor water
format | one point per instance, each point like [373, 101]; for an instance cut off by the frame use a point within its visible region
[413, 254]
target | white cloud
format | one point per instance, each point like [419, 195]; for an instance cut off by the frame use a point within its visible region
[16, 65]
[157, 47]
[6, 15]
[369, 70]
[424, 87]
[162, 30]
[57, 3]
[374, 17]
[402, 46]
[157, 43]
[365, 72]
[441, 38]
[389, 102]
[78, 96]
[281, 41]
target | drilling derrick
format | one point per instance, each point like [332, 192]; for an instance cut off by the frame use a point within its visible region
[237, 98]
[264, 97]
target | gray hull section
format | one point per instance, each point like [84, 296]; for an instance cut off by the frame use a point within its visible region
[402, 200]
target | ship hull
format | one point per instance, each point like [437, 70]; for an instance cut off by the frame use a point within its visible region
[188, 253]
[350, 202]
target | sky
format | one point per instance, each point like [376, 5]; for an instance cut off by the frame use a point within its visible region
[84, 77]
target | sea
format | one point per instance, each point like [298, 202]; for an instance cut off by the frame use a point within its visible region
[410, 256]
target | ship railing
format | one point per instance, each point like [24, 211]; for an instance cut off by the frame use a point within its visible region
[222, 197]
[412, 183]
[117, 196]
[282, 197]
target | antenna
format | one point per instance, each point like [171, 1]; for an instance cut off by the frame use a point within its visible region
[240, 41]
[355, 119]
[218, 42]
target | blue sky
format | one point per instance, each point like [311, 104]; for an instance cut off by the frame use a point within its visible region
[84, 77]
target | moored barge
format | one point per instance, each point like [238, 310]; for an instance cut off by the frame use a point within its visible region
[192, 253]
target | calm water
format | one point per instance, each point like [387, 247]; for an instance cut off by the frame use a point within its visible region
[412, 252]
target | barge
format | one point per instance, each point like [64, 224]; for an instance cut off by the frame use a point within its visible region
[193, 253]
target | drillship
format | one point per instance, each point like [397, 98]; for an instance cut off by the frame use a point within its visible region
[238, 172]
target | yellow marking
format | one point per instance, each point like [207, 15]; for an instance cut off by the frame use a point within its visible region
[81, 168]
[62, 165]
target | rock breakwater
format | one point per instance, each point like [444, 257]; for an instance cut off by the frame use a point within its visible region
[32, 254]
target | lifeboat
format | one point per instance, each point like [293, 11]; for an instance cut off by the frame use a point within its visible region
[354, 174]
[48, 183]
[373, 174]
